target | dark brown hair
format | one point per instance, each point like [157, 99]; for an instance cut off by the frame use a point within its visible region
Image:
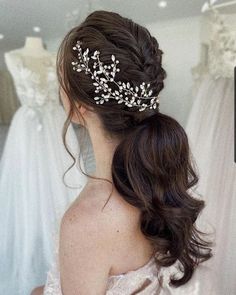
[151, 166]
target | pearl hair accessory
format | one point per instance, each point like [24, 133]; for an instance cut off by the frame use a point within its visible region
[124, 93]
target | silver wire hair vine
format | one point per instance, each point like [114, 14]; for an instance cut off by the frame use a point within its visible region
[132, 97]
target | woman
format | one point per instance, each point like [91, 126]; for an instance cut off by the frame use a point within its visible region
[110, 72]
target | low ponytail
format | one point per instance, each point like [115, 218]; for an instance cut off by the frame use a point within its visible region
[151, 166]
[151, 169]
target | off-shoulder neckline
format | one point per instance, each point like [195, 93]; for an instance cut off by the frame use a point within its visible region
[146, 265]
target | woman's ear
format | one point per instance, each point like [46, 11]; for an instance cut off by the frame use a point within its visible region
[80, 111]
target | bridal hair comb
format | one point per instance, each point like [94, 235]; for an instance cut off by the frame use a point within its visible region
[101, 74]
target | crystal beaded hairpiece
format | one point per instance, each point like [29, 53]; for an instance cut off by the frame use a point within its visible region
[124, 93]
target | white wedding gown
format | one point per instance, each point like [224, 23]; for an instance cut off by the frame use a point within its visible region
[210, 130]
[33, 196]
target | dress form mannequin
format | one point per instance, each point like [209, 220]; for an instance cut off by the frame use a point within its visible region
[34, 46]
[8, 99]
[33, 196]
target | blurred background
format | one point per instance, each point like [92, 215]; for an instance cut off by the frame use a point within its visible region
[199, 58]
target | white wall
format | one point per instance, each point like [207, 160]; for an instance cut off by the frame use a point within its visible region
[180, 41]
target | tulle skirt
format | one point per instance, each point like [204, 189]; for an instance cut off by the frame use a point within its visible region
[210, 130]
[33, 196]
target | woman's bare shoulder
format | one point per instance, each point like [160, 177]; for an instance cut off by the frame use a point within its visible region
[85, 218]
[115, 228]
[84, 249]
[92, 204]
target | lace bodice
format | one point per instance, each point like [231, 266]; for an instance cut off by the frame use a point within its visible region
[34, 78]
[35, 82]
[218, 47]
[222, 46]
